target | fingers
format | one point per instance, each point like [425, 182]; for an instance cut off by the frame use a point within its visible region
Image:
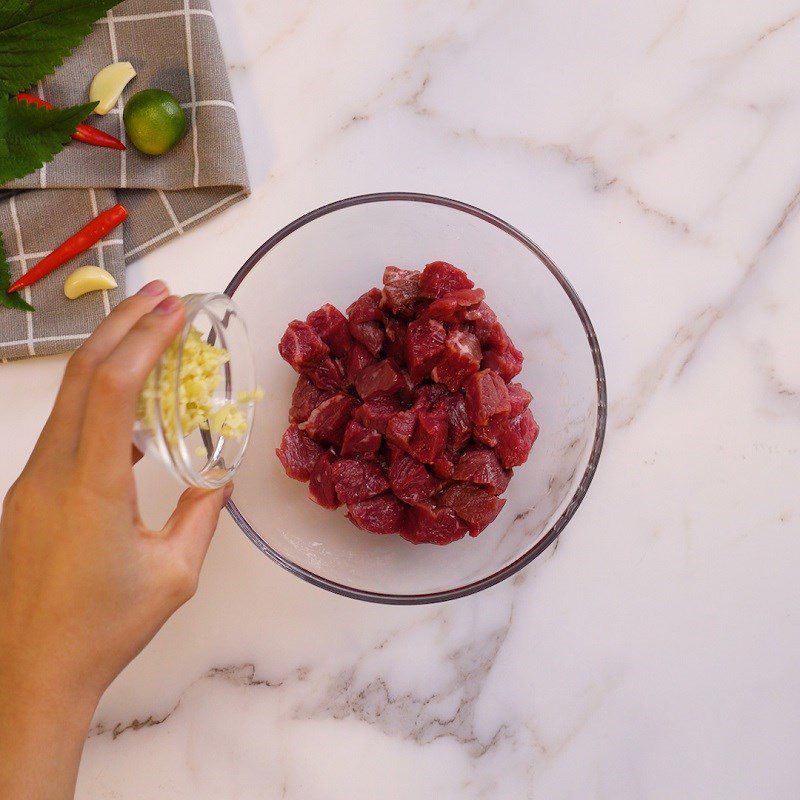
[191, 526]
[111, 402]
[66, 417]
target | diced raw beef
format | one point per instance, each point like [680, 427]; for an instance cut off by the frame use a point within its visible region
[477, 507]
[396, 332]
[360, 441]
[460, 359]
[305, 398]
[400, 290]
[439, 278]
[366, 308]
[489, 434]
[382, 514]
[356, 359]
[381, 378]
[487, 395]
[331, 326]
[433, 525]
[519, 398]
[376, 412]
[483, 321]
[400, 428]
[301, 347]
[424, 346]
[430, 435]
[320, 488]
[329, 419]
[357, 480]
[498, 340]
[516, 439]
[443, 466]
[325, 375]
[409, 479]
[298, 453]
[460, 431]
[370, 334]
[428, 394]
[507, 364]
[450, 307]
[480, 465]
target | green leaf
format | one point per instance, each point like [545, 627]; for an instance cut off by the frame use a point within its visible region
[36, 36]
[31, 136]
[9, 300]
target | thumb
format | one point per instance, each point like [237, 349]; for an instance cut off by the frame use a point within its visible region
[194, 521]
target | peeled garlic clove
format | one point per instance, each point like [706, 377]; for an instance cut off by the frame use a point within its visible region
[108, 84]
[88, 279]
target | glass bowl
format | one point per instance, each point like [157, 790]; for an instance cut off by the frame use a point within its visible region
[204, 458]
[336, 253]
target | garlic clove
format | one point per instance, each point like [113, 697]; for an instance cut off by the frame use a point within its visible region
[88, 279]
[108, 84]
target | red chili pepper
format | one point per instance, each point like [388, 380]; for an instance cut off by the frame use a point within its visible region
[78, 243]
[83, 133]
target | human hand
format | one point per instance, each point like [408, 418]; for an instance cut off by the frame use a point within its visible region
[84, 585]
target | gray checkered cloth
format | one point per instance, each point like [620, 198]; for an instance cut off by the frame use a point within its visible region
[172, 45]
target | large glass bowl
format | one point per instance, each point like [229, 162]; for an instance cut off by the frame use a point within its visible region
[336, 253]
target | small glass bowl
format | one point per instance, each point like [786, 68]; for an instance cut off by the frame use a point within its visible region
[202, 458]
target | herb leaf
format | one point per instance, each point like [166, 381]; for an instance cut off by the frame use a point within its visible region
[36, 36]
[9, 300]
[31, 136]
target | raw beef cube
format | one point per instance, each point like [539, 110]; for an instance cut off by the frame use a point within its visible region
[400, 428]
[439, 278]
[370, 334]
[429, 436]
[409, 479]
[460, 431]
[360, 441]
[424, 345]
[519, 398]
[477, 507]
[301, 347]
[381, 514]
[396, 332]
[460, 359]
[516, 439]
[480, 465]
[320, 488]
[357, 480]
[366, 308]
[433, 525]
[489, 434]
[298, 453]
[326, 375]
[377, 411]
[356, 359]
[305, 398]
[483, 321]
[331, 326]
[487, 395]
[381, 378]
[329, 419]
[450, 307]
[400, 290]
[498, 340]
[427, 395]
[443, 466]
[507, 364]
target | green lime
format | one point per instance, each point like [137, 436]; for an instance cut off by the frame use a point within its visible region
[154, 121]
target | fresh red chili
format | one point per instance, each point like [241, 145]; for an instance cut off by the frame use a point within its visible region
[78, 243]
[83, 133]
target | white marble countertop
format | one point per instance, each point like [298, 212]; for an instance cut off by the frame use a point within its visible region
[651, 148]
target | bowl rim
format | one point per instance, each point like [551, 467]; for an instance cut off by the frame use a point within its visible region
[602, 405]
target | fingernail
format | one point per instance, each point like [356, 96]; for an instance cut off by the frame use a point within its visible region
[168, 305]
[227, 491]
[153, 289]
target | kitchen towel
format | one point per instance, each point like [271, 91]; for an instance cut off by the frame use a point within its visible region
[173, 45]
